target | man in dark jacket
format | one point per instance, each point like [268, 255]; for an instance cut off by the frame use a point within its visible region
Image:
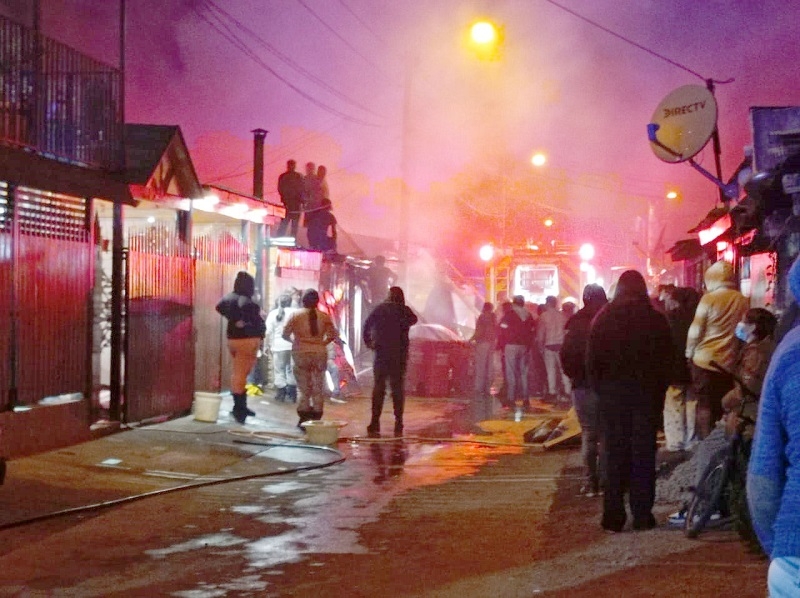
[573, 361]
[516, 338]
[290, 188]
[386, 333]
[629, 364]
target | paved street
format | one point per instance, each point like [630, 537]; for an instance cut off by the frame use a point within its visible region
[395, 518]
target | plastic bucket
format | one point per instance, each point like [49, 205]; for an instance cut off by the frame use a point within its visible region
[206, 406]
[322, 432]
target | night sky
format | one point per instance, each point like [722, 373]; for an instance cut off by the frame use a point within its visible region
[379, 90]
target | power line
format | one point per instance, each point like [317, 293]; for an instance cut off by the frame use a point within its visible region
[286, 59]
[339, 36]
[236, 42]
[631, 42]
[361, 21]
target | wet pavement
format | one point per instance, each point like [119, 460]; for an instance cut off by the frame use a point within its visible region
[434, 514]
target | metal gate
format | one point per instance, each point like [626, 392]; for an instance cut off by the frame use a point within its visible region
[45, 288]
[218, 259]
[159, 347]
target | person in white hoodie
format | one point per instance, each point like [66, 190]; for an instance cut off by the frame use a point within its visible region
[711, 338]
[283, 377]
[549, 338]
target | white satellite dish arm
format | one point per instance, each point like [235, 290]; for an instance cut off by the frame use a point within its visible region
[731, 190]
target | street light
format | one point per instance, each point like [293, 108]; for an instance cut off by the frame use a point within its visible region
[486, 38]
[538, 159]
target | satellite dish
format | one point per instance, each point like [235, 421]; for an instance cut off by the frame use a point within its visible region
[683, 123]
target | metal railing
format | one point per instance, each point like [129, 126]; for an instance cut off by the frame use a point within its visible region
[58, 102]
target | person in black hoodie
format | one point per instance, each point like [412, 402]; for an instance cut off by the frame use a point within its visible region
[573, 362]
[386, 333]
[629, 364]
[245, 332]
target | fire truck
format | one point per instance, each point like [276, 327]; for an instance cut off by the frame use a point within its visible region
[536, 274]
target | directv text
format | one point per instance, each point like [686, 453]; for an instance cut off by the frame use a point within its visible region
[687, 109]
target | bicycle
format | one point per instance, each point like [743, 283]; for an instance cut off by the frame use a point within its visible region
[714, 490]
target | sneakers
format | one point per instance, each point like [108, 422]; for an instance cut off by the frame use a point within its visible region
[679, 518]
[589, 491]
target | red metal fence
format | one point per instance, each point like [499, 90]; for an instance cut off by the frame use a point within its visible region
[45, 284]
[159, 347]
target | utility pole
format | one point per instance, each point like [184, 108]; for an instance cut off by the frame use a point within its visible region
[259, 135]
[404, 191]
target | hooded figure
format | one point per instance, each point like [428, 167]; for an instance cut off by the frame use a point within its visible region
[628, 365]
[773, 477]
[386, 333]
[245, 332]
[711, 338]
[584, 399]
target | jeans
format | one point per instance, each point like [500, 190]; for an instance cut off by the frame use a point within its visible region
[555, 374]
[585, 401]
[282, 369]
[516, 373]
[783, 579]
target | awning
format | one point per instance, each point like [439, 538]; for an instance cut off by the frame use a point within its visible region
[684, 250]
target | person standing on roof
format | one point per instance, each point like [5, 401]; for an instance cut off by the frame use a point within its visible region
[290, 188]
[712, 338]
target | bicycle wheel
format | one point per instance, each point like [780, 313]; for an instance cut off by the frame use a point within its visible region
[705, 501]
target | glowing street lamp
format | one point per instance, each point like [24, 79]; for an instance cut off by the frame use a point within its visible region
[538, 159]
[586, 252]
[483, 33]
[672, 195]
[486, 253]
[548, 222]
[486, 38]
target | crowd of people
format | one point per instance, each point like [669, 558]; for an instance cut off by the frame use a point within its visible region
[689, 364]
[631, 364]
[307, 198]
[528, 338]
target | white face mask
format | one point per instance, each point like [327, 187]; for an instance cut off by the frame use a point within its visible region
[744, 331]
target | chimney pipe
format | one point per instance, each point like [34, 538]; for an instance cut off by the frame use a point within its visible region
[258, 162]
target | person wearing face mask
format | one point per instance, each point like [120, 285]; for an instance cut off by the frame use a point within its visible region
[756, 330]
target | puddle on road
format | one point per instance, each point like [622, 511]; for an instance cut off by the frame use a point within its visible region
[324, 509]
